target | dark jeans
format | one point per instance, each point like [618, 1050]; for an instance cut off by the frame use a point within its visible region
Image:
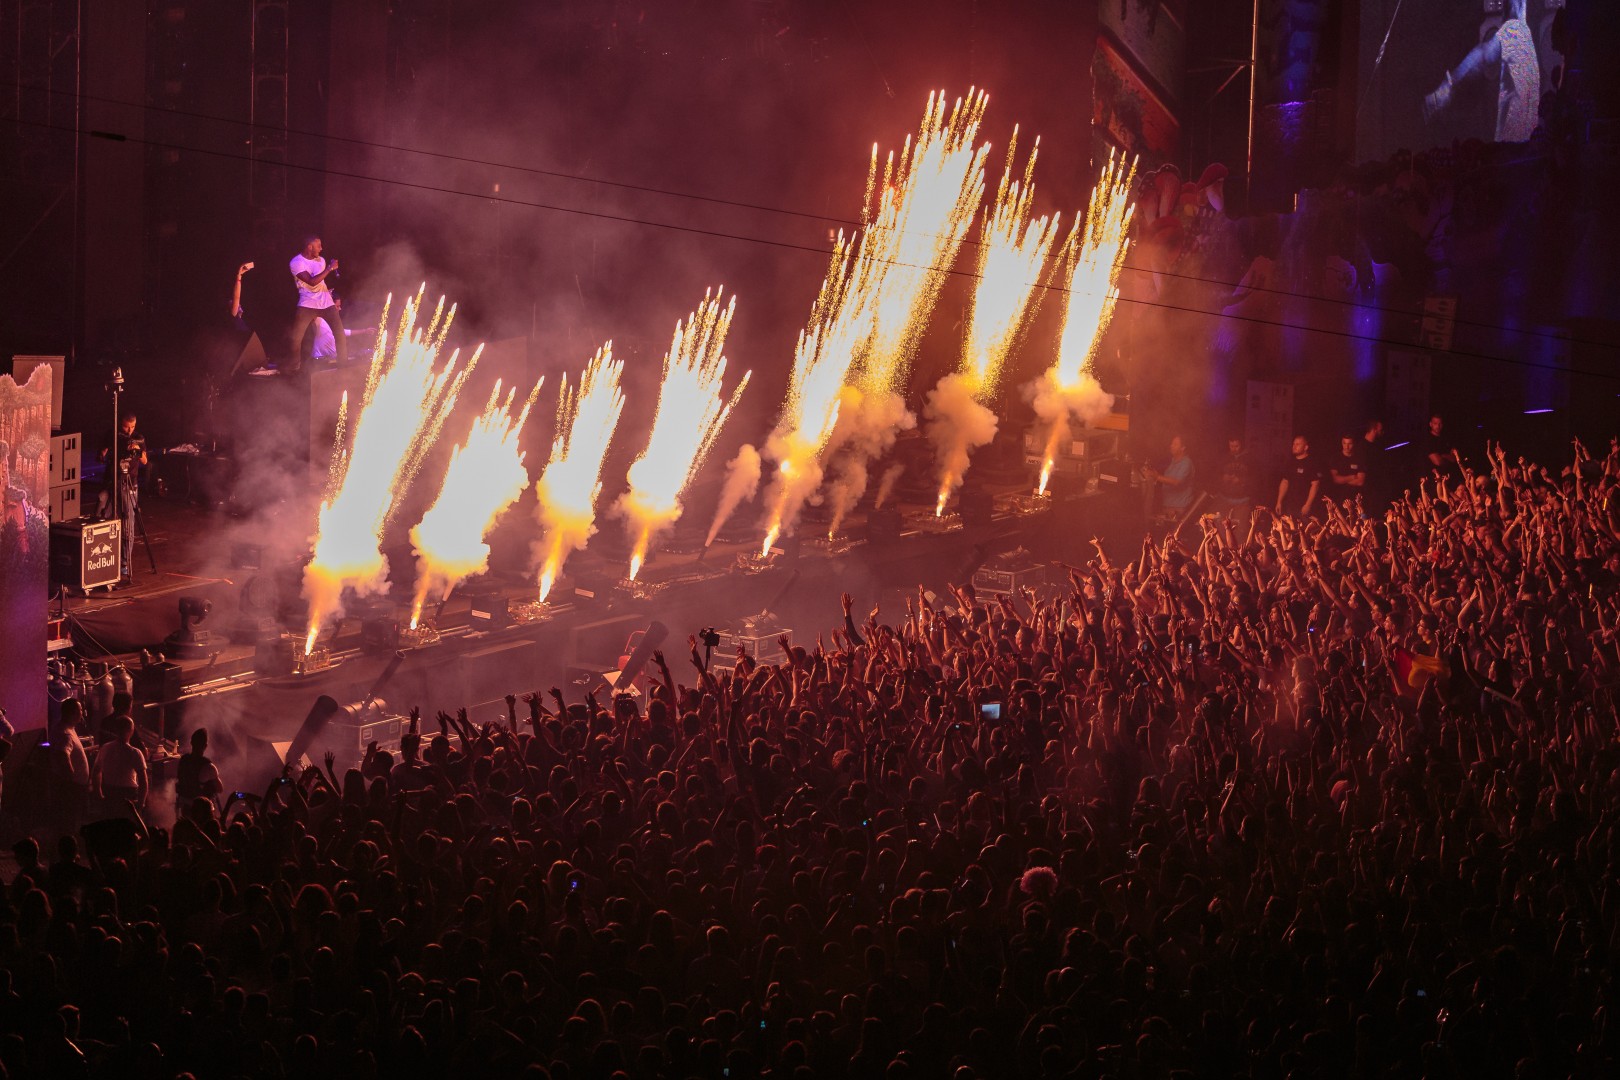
[129, 501]
[300, 334]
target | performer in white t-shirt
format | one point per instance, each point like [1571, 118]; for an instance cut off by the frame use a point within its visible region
[315, 300]
[326, 345]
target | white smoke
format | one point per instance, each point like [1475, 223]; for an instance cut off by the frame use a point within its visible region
[868, 425]
[1057, 406]
[958, 425]
[1085, 401]
[886, 484]
[742, 484]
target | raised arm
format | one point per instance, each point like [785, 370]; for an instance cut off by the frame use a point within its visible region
[236, 290]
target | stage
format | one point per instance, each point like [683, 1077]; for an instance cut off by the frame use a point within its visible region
[235, 683]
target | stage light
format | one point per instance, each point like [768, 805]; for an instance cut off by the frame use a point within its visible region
[1536, 412]
[188, 641]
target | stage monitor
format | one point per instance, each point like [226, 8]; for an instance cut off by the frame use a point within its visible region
[1440, 71]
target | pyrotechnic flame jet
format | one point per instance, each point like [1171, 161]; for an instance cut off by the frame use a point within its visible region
[925, 208]
[376, 454]
[485, 476]
[1012, 253]
[873, 305]
[1093, 256]
[821, 361]
[690, 413]
[587, 414]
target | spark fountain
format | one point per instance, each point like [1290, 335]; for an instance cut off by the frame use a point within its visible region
[925, 207]
[1092, 256]
[1012, 253]
[924, 210]
[690, 413]
[485, 476]
[871, 312]
[587, 414]
[376, 454]
[821, 362]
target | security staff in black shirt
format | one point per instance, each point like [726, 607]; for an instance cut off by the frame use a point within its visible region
[1301, 474]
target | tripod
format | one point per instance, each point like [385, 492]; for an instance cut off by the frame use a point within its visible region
[134, 523]
[122, 488]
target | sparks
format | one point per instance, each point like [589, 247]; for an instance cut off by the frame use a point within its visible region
[1012, 253]
[378, 450]
[821, 361]
[851, 361]
[1092, 257]
[587, 414]
[690, 413]
[485, 476]
[924, 212]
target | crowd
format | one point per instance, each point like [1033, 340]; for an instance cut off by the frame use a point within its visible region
[1289, 797]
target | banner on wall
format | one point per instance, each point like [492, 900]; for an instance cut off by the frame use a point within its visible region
[1150, 33]
[25, 464]
[1129, 112]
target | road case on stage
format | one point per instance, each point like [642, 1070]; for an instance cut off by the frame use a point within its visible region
[85, 554]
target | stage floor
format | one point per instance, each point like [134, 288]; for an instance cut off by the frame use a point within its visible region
[571, 642]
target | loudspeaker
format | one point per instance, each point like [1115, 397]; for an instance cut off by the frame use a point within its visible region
[273, 655]
[379, 634]
[589, 588]
[159, 683]
[975, 507]
[250, 356]
[65, 504]
[506, 667]
[489, 612]
[789, 546]
[65, 459]
[884, 526]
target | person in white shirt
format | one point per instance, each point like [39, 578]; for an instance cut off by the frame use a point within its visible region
[70, 763]
[326, 345]
[120, 774]
[315, 301]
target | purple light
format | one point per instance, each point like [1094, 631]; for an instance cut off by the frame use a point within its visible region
[1536, 412]
[1397, 446]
